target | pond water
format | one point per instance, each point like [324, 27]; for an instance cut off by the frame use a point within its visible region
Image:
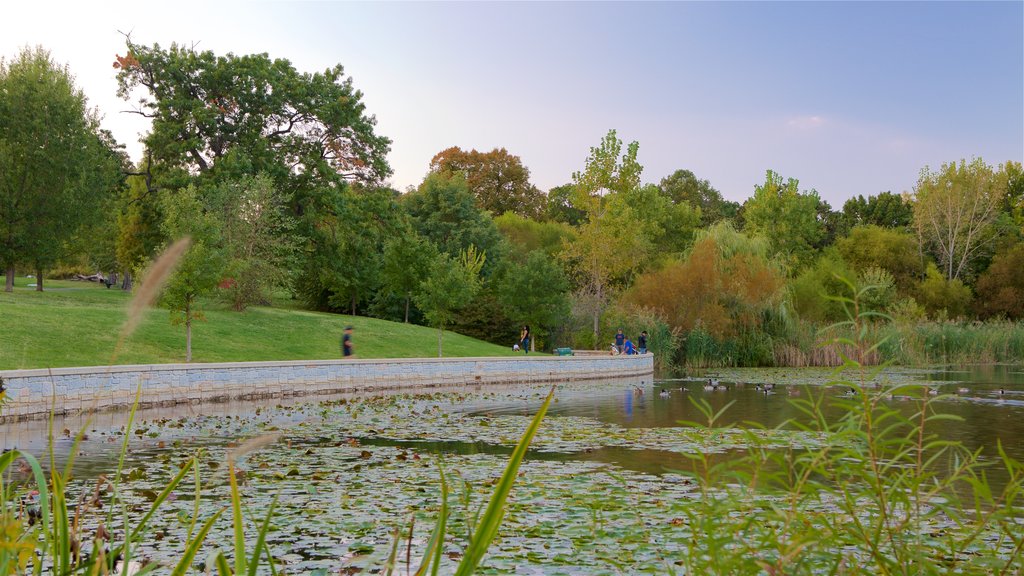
[350, 469]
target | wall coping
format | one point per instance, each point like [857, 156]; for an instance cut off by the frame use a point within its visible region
[119, 368]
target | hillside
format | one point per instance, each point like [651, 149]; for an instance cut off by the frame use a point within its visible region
[77, 324]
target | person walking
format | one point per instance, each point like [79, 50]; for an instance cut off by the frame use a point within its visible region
[346, 343]
[524, 339]
[642, 342]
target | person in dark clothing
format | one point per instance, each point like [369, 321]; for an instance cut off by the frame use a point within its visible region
[346, 342]
[524, 339]
[642, 342]
[620, 341]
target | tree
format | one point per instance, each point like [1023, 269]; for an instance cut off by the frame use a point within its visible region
[535, 293]
[200, 268]
[682, 186]
[942, 297]
[787, 218]
[669, 226]
[408, 259]
[451, 284]
[219, 118]
[443, 212]
[954, 212]
[892, 250]
[612, 241]
[1001, 287]
[560, 207]
[257, 239]
[57, 168]
[887, 210]
[498, 180]
[525, 235]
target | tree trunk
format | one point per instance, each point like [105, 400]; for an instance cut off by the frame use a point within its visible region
[597, 322]
[440, 334]
[188, 333]
[39, 279]
[9, 285]
[353, 304]
[126, 283]
[407, 298]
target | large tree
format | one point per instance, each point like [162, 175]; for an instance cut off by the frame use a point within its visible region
[955, 211]
[535, 293]
[682, 186]
[57, 168]
[498, 180]
[612, 241]
[443, 212]
[788, 218]
[407, 261]
[217, 118]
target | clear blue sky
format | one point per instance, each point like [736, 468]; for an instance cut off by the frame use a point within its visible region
[851, 98]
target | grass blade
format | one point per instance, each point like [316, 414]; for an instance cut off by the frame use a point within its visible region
[185, 563]
[491, 520]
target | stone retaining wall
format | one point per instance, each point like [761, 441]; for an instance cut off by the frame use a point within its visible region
[34, 393]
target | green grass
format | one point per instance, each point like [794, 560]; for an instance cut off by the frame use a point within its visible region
[77, 324]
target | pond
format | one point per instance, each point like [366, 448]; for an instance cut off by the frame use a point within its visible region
[602, 490]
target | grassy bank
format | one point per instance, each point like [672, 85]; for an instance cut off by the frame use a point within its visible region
[77, 324]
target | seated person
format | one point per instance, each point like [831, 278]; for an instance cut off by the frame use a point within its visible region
[630, 349]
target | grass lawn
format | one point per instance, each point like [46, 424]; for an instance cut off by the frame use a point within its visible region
[77, 324]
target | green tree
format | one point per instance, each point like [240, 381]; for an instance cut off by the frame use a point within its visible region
[57, 168]
[886, 209]
[612, 241]
[257, 238]
[560, 207]
[955, 211]
[408, 259]
[535, 293]
[498, 180]
[217, 118]
[202, 266]
[942, 297]
[443, 211]
[811, 291]
[524, 235]
[682, 186]
[139, 231]
[893, 250]
[669, 226]
[787, 218]
[452, 283]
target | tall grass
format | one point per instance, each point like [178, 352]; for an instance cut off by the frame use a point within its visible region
[882, 495]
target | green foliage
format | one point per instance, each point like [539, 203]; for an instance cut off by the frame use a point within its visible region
[57, 168]
[1001, 287]
[787, 217]
[535, 293]
[258, 239]
[885, 210]
[683, 187]
[560, 207]
[892, 250]
[662, 340]
[943, 298]
[200, 269]
[670, 227]
[444, 212]
[811, 289]
[451, 284]
[883, 289]
[407, 261]
[526, 236]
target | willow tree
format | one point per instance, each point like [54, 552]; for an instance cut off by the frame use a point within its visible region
[612, 241]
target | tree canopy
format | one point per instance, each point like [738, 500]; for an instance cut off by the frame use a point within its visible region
[498, 180]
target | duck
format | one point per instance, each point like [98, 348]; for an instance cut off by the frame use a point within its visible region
[793, 391]
[1001, 392]
[664, 393]
[709, 386]
[962, 390]
[933, 391]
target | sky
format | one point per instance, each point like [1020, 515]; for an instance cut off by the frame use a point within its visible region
[849, 98]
